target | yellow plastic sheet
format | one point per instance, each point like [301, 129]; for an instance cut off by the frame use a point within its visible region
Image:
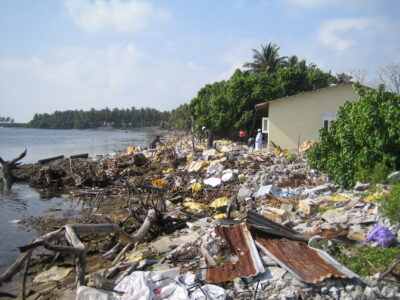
[225, 149]
[219, 202]
[130, 150]
[199, 166]
[338, 198]
[169, 170]
[159, 182]
[194, 206]
[220, 216]
[196, 187]
[378, 195]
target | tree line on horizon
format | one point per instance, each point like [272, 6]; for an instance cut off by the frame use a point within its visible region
[6, 120]
[116, 118]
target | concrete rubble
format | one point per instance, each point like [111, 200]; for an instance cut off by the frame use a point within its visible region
[201, 188]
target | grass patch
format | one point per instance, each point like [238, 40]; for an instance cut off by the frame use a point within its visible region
[323, 209]
[366, 261]
[390, 204]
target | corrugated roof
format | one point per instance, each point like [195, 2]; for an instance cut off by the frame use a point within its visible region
[246, 262]
[305, 263]
[265, 225]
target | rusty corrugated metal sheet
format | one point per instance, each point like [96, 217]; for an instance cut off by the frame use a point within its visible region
[242, 246]
[267, 226]
[305, 263]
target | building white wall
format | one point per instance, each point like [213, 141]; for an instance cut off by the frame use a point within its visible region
[295, 119]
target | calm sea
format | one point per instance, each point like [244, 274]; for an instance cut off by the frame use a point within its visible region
[22, 201]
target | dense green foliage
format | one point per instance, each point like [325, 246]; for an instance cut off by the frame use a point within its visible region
[180, 118]
[363, 141]
[117, 118]
[228, 106]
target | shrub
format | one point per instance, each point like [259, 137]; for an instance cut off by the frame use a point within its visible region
[390, 204]
[363, 142]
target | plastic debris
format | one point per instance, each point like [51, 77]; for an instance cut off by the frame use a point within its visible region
[338, 198]
[376, 196]
[213, 181]
[53, 274]
[209, 291]
[152, 285]
[228, 177]
[198, 166]
[194, 206]
[307, 145]
[169, 171]
[159, 182]
[130, 150]
[264, 190]
[196, 187]
[382, 235]
[88, 293]
[220, 216]
[219, 202]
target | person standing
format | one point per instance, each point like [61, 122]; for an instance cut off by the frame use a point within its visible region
[258, 141]
[209, 136]
[153, 142]
[250, 143]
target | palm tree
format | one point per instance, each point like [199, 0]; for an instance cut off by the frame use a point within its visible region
[293, 61]
[267, 60]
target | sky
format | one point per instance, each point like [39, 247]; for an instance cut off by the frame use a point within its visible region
[83, 54]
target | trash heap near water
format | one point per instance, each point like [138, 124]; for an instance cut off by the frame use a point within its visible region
[223, 223]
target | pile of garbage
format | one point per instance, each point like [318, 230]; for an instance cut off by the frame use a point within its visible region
[230, 224]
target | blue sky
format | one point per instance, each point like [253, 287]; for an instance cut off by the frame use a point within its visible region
[79, 54]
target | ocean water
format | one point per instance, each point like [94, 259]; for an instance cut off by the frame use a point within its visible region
[22, 201]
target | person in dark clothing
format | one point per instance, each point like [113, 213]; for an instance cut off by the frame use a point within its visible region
[153, 142]
[251, 142]
[209, 136]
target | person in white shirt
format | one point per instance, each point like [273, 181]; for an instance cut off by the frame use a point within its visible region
[258, 141]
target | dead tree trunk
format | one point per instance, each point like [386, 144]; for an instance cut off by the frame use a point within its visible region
[6, 171]
[76, 246]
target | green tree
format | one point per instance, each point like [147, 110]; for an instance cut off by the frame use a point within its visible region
[343, 78]
[364, 139]
[267, 60]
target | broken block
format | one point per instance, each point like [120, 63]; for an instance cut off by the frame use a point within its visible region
[307, 206]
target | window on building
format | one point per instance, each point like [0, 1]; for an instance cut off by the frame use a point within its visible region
[326, 123]
[327, 117]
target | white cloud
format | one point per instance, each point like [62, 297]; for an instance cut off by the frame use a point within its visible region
[118, 15]
[312, 3]
[237, 56]
[332, 34]
[119, 76]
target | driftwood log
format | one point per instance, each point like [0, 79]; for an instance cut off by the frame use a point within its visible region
[76, 246]
[46, 160]
[7, 168]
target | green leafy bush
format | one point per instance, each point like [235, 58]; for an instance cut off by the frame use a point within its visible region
[390, 204]
[363, 143]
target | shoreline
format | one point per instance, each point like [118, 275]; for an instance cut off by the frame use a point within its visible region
[173, 179]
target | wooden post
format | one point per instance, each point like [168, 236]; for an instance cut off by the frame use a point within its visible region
[192, 128]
